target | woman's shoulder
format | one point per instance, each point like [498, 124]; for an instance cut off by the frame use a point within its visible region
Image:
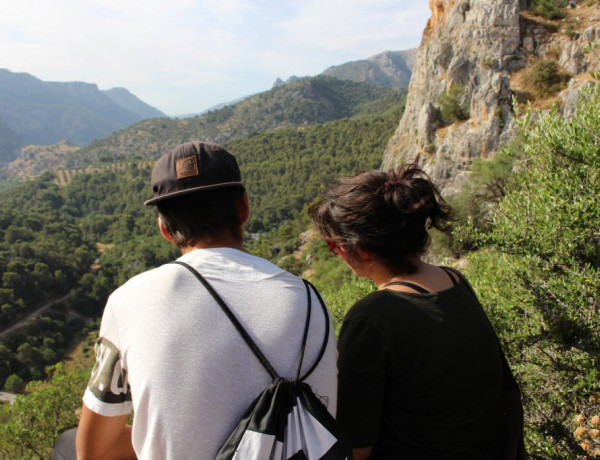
[374, 305]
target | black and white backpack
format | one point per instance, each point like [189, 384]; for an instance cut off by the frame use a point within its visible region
[287, 420]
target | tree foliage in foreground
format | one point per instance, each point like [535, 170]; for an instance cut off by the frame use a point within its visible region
[33, 423]
[537, 271]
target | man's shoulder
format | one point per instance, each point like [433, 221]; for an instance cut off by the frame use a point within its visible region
[151, 277]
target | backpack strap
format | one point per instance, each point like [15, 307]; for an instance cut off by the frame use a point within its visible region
[305, 335]
[251, 344]
[263, 360]
[326, 336]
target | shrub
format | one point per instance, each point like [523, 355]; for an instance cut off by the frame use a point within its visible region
[35, 420]
[452, 105]
[489, 62]
[14, 384]
[538, 274]
[549, 9]
[547, 79]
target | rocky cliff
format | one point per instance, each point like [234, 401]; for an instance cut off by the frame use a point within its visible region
[475, 54]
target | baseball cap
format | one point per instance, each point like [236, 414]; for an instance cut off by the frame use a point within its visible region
[193, 167]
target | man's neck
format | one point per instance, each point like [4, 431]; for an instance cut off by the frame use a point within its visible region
[225, 240]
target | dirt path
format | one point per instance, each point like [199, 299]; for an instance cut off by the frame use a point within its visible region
[27, 320]
[8, 397]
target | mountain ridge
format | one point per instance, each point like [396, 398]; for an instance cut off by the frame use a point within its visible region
[309, 101]
[389, 68]
[43, 113]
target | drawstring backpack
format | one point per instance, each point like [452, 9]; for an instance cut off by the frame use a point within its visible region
[287, 420]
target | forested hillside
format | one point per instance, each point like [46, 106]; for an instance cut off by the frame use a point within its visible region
[305, 103]
[50, 235]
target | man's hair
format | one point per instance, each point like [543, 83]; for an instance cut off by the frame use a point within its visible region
[191, 217]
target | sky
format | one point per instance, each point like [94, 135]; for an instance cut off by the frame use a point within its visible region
[185, 56]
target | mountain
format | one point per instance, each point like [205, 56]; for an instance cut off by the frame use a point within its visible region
[307, 102]
[10, 142]
[123, 98]
[390, 68]
[44, 113]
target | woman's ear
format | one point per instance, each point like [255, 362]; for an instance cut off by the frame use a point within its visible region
[364, 255]
[164, 232]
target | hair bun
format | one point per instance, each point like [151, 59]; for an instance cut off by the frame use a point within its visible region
[406, 191]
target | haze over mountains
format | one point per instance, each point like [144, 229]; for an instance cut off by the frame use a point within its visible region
[33, 111]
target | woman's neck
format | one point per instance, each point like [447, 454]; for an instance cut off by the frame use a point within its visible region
[381, 275]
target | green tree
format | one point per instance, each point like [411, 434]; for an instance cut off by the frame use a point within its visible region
[35, 420]
[14, 384]
[549, 9]
[546, 78]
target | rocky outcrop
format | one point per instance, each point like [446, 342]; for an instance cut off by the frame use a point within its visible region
[471, 49]
[471, 45]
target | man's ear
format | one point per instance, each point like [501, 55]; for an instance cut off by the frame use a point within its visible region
[164, 232]
[244, 208]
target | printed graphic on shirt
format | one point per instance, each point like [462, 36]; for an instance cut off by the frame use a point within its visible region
[108, 382]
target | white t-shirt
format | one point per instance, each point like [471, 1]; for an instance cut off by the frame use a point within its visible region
[167, 350]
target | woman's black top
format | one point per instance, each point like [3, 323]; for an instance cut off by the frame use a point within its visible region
[421, 376]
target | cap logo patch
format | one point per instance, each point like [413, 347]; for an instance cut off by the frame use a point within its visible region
[186, 167]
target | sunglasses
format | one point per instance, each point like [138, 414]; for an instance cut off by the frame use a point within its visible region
[333, 247]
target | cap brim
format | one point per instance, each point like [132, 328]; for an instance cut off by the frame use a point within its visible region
[153, 201]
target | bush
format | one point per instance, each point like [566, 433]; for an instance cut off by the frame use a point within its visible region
[452, 106]
[547, 79]
[14, 384]
[538, 275]
[549, 9]
[34, 421]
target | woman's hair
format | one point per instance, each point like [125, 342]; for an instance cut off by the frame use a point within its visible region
[385, 213]
[191, 217]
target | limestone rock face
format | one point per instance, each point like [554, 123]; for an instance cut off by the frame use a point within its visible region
[484, 48]
[474, 45]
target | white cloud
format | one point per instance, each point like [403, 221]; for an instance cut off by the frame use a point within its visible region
[351, 24]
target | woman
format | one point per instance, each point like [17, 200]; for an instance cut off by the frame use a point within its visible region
[421, 373]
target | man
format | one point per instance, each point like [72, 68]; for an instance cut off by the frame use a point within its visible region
[168, 352]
